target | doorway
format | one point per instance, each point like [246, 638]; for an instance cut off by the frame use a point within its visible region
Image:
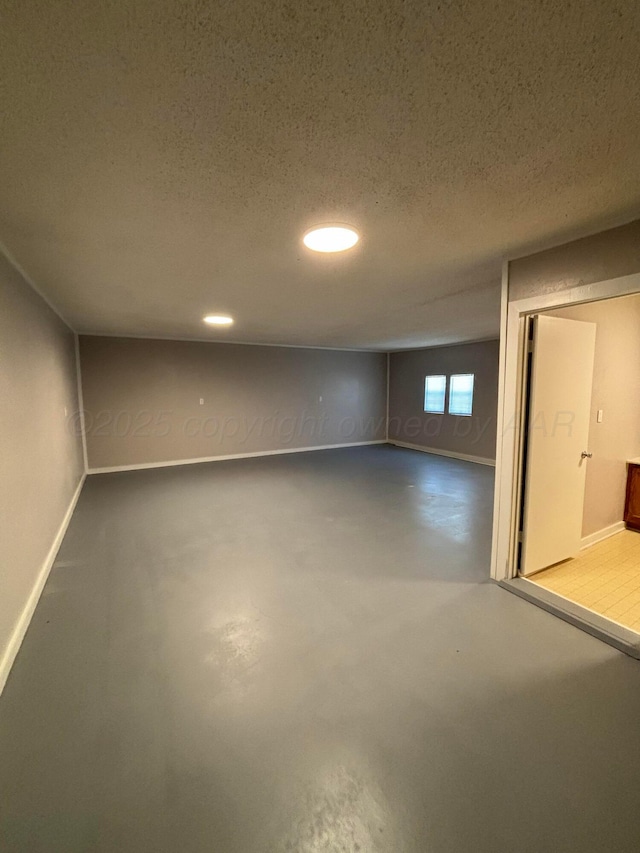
[602, 508]
[582, 439]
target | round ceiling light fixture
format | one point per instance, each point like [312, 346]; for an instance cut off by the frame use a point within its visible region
[218, 320]
[331, 238]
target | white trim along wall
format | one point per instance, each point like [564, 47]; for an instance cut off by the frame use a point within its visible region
[451, 454]
[225, 457]
[601, 535]
[13, 646]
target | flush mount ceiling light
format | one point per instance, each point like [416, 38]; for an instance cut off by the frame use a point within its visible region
[218, 320]
[330, 238]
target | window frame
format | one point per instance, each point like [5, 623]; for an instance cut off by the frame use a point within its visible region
[444, 394]
[453, 376]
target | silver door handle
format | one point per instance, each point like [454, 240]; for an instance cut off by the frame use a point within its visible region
[585, 455]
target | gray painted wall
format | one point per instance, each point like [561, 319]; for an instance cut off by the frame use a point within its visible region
[41, 451]
[616, 390]
[602, 256]
[142, 399]
[408, 422]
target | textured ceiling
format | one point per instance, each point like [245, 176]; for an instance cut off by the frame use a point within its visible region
[160, 160]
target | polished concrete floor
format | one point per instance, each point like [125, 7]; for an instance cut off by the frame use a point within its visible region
[303, 653]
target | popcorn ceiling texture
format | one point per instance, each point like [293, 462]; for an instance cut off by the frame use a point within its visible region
[161, 160]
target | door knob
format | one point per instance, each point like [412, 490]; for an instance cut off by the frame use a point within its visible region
[586, 455]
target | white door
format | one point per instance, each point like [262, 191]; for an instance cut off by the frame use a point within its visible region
[558, 431]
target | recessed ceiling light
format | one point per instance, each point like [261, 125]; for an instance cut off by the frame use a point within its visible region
[330, 238]
[218, 320]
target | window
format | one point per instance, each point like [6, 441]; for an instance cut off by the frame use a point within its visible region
[461, 394]
[434, 390]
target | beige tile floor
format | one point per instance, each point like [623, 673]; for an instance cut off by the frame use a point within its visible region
[605, 578]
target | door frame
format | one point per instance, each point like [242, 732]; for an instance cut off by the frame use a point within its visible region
[514, 318]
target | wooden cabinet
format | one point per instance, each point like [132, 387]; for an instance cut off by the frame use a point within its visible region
[632, 503]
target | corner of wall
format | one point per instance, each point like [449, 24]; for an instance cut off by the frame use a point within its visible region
[386, 432]
[76, 338]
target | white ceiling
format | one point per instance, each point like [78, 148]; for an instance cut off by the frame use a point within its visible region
[160, 160]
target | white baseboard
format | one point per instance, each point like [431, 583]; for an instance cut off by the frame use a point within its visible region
[20, 629]
[599, 535]
[223, 458]
[466, 457]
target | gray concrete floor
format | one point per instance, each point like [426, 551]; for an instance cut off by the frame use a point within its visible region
[302, 653]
